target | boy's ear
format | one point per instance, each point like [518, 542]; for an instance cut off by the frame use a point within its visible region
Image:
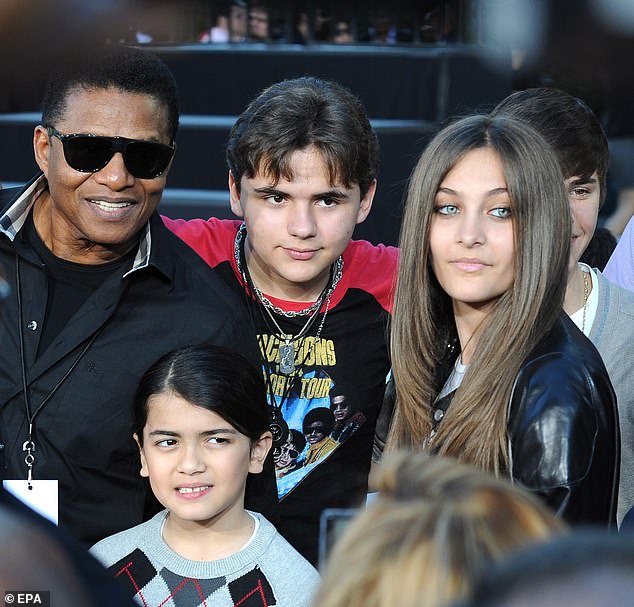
[366, 203]
[234, 196]
[259, 451]
[144, 469]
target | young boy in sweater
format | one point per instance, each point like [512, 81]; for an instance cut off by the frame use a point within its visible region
[202, 427]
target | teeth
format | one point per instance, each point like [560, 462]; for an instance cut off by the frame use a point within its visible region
[192, 489]
[111, 205]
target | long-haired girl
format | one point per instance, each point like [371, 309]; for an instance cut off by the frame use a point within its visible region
[487, 367]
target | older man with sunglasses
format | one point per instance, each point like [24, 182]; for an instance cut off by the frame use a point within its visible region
[99, 289]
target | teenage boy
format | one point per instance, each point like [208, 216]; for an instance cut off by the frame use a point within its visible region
[603, 311]
[302, 173]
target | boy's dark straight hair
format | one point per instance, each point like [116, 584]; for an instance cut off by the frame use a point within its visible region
[570, 127]
[293, 115]
[212, 377]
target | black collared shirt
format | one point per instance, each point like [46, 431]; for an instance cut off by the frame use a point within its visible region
[167, 299]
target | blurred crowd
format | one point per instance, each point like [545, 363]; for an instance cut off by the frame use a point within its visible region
[235, 21]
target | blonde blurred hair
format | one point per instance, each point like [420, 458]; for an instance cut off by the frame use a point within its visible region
[434, 526]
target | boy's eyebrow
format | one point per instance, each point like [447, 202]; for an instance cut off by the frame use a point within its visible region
[219, 431]
[270, 190]
[334, 193]
[273, 191]
[211, 432]
[163, 433]
[584, 180]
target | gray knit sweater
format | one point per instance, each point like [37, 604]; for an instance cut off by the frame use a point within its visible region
[268, 571]
[612, 333]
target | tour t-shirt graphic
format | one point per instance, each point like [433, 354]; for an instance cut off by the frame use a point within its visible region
[311, 415]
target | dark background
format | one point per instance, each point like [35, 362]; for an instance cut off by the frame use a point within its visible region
[410, 86]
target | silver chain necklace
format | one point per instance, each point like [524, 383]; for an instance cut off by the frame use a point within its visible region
[266, 302]
[287, 349]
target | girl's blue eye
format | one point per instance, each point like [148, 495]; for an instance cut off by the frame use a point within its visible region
[501, 212]
[446, 209]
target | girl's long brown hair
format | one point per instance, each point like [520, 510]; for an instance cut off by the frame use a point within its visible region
[474, 427]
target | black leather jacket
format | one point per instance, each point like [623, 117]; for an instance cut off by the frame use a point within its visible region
[563, 428]
[563, 432]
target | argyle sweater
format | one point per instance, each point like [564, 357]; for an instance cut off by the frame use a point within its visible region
[268, 571]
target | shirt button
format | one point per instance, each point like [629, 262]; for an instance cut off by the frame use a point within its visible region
[439, 414]
[32, 325]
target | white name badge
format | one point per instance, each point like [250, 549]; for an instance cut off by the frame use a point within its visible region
[41, 496]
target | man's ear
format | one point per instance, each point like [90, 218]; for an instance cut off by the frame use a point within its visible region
[41, 148]
[366, 203]
[144, 469]
[259, 451]
[234, 196]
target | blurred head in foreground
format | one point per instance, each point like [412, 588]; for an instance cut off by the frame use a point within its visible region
[435, 525]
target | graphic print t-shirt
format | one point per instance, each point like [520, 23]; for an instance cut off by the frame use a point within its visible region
[324, 411]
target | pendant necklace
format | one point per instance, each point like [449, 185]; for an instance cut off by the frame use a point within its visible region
[287, 348]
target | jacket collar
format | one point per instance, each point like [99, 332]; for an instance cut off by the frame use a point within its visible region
[14, 217]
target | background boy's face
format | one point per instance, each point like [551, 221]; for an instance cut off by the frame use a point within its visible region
[584, 196]
[297, 228]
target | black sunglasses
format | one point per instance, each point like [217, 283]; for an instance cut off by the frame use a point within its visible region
[91, 153]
